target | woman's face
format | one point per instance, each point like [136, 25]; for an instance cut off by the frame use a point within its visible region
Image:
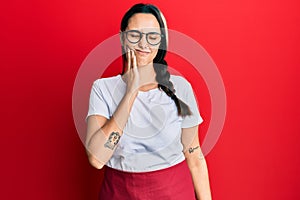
[144, 23]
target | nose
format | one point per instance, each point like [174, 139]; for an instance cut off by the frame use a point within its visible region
[143, 42]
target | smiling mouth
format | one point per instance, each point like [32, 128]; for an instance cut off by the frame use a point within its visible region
[140, 52]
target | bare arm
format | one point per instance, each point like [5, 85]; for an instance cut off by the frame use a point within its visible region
[103, 134]
[197, 165]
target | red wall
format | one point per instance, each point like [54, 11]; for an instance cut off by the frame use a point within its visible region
[254, 44]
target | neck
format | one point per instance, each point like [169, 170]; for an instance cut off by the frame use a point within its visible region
[147, 73]
[147, 77]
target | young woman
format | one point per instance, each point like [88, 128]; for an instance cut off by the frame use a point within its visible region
[143, 124]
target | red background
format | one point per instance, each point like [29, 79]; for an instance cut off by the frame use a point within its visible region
[254, 44]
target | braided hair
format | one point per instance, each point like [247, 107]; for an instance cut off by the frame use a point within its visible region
[159, 63]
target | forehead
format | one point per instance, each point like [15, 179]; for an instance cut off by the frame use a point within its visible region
[143, 21]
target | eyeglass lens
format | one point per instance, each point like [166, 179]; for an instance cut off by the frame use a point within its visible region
[135, 36]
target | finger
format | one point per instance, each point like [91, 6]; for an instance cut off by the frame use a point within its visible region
[128, 59]
[132, 57]
[134, 65]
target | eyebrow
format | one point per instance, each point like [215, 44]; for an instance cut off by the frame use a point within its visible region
[151, 31]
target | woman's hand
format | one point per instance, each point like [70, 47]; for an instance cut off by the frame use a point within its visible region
[132, 74]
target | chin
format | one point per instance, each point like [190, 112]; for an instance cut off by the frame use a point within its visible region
[143, 63]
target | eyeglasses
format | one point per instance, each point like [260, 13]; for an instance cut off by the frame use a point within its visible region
[134, 36]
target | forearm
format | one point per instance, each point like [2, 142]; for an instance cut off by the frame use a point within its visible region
[197, 165]
[200, 178]
[101, 144]
[102, 140]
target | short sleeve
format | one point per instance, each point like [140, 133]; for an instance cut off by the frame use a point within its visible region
[97, 103]
[190, 100]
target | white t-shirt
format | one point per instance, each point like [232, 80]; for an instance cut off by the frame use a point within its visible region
[151, 139]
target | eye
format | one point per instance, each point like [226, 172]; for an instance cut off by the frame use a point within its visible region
[154, 36]
[134, 35]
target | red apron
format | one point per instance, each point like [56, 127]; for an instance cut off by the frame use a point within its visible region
[173, 183]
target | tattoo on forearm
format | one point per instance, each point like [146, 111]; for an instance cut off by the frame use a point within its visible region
[113, 140]
[191, 150]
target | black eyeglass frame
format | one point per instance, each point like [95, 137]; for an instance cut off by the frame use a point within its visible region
[141, 36]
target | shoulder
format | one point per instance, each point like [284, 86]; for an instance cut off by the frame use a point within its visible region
[107, 81]
[108, 84]
[179, 82]
[183, 88]
[104, 86]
